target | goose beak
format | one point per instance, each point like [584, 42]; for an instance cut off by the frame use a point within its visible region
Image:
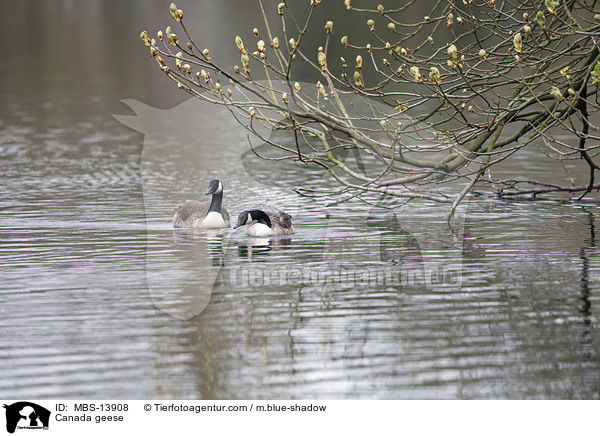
[237, 225]
[211, 190]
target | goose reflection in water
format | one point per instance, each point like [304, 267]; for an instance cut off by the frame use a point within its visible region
[251, 247]
[208, 243]
[183, 271]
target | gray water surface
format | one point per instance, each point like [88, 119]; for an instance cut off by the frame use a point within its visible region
[98, 292]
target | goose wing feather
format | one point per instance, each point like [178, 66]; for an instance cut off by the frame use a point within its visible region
[281, 222]
[189, 212]
[225, 216]
[284, 219]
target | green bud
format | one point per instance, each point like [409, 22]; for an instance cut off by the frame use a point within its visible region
[329, 27]
[344, 41]
[435, 76]
[540, 18]
[359, 61]
[173, 11]
[172, 39]
[551, 5]
[595, 74]
[518, 42]
[371, 25]
[246, 62]
[322, 58]
[391, 26]
[416, 74]
[453, 52]
[240, 44]
[321, 89]
[555, 92]
[144, 37]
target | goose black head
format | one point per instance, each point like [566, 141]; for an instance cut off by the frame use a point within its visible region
[214, 187]
[251, 217]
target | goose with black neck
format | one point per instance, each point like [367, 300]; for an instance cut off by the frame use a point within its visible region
[207, 215]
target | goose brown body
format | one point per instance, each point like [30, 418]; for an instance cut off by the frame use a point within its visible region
[200, 214]
[266, 222]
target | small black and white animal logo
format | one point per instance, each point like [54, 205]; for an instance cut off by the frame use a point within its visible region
[26, 415]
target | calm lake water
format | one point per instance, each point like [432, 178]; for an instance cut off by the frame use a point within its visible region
[101, 298]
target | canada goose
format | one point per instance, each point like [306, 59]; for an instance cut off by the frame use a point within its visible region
[271, 223]
[205, 215]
